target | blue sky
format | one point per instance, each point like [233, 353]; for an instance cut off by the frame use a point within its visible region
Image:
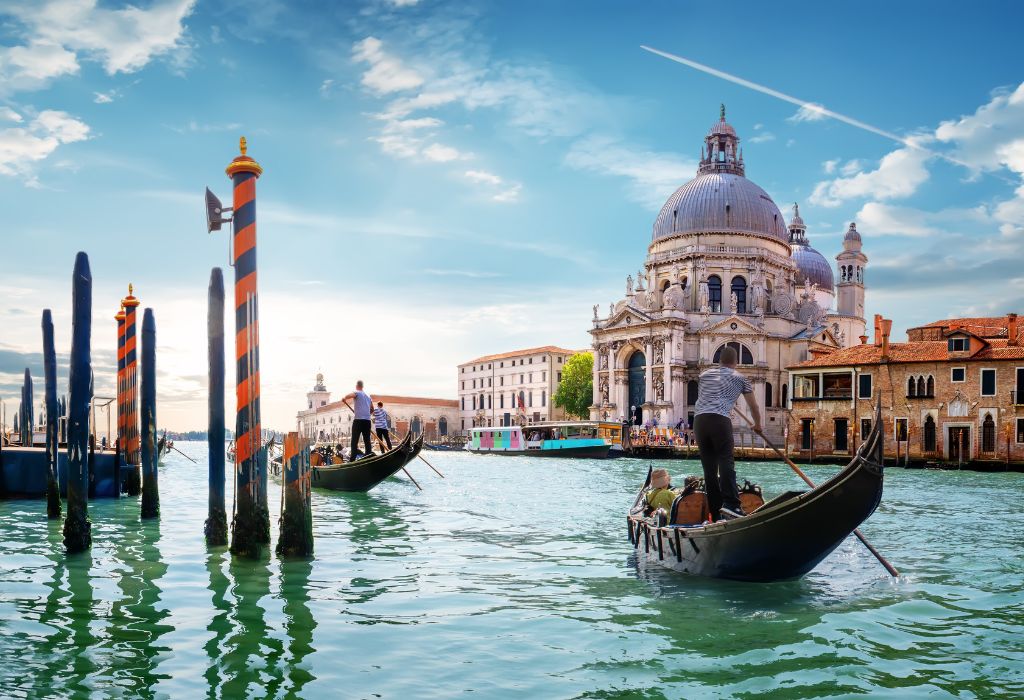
[445, 180]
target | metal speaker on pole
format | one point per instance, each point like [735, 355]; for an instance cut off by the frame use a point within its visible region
[214, 210]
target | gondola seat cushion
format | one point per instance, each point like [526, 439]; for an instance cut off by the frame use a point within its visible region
[689, 509]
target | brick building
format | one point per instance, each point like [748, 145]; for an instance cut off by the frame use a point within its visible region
[953, 392]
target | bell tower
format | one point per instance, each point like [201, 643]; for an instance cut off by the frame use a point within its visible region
[721, 152]
[852, 264]
[319, 396]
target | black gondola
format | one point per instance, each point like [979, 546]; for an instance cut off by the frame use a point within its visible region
[367, 472]
[783, 539]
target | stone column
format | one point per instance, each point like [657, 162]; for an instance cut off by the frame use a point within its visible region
[649, 373]
[596, 389]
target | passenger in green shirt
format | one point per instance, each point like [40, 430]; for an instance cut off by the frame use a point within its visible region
[660, 494]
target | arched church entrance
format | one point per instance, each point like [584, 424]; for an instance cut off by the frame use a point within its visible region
[637, 385]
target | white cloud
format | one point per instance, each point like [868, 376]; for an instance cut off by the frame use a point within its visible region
[809, 112]
[652, 176]
[9, 115]
[829, 166]
[386, 73]
[898, 175]
[992, 137]
[851, 167]
[102, 98]
[21, 147]
[325, 87]
[404, 3]
[762, 137]
[440, 153]
[483, 176]
[474, 274]
[123, 40]
[509, 195]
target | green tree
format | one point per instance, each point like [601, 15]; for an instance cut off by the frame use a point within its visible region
[576, 392]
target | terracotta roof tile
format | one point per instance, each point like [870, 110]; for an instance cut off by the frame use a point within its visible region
[399, 401]
[983, 326]
[520, 353]
[922, 351]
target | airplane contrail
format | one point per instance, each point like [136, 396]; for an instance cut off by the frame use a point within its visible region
[804, 104]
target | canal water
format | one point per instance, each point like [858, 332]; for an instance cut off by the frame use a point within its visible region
[512, 577]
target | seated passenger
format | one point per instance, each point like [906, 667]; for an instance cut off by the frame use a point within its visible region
[660, 495]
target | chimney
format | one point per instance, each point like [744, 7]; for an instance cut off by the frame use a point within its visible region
[1012, 329]
[885, 326]
[863, 340]
[878, 329]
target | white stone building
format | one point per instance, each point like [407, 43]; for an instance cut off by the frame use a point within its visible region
[490, 387]
[722, 268]
[323, 419]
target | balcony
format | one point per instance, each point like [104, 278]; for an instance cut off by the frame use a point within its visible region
[831, 395]
[921, 396]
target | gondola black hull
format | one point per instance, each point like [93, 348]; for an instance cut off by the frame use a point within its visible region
[363, 474]
[784, 539]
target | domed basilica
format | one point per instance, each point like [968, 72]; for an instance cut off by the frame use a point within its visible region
[723, 268]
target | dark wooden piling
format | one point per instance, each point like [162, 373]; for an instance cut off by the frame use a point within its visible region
[63, 437]
[27, 416]
[147, 394]
[52, 417]
[250, 529]
[77, 528]
[297, 518]
[216, 519]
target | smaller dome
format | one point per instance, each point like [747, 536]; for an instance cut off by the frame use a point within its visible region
[812, 265]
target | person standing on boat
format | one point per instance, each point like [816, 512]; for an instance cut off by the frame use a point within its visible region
[361, 422]
[719, 388]
[380, 422]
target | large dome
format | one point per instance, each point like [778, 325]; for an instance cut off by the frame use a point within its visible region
[721, 203]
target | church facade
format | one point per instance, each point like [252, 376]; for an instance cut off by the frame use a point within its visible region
[723, 268]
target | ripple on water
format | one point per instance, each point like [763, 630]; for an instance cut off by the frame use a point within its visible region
[511, 577]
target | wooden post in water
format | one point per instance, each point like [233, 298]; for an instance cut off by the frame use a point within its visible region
[250, 529]
[297, 519]
[119, 459]
[147, 391]
[133, 455]
[52, 417]
[77, 528]
[27, 416]
[216, 520]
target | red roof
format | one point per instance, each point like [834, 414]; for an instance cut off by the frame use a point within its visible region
[546, 349]
[398, 400]
[982, 326]
[921, 351]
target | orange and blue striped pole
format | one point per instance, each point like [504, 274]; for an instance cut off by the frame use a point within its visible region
[132, 445]
[119, 317]
[251, 527]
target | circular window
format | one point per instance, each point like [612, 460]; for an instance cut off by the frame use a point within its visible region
[733, 326]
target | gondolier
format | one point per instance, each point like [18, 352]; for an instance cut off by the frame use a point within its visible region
[718, 391]
[361, 422]
[380, 422]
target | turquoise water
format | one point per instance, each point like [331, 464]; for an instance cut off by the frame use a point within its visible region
[512, 577]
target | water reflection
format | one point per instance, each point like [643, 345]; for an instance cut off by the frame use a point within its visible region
[299, 622]
[68, 610]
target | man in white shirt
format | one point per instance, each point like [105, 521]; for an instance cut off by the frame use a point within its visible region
[361, 422]
[718, 391]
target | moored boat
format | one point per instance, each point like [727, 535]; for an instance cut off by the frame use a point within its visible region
[366, 472]
[783, 539]
[564, 439]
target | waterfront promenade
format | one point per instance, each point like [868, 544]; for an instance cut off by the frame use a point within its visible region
[512, 577]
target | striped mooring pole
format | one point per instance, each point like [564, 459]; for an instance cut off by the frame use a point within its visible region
[52, 417]
[121, 394]
[147, 390]
[132, 453]
[251, 527]
[297, 517]
[216, 520]
[77, 528]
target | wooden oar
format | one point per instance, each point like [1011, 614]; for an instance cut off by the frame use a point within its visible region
[882, 560]
[382, 448]
[183, 454]
[420, 456]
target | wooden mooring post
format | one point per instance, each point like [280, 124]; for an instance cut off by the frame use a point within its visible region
[27, 416]
[297, 516]
[147, 393]
[52, 417]
[77, 528]
[132, 452]
[216, 519]
[250, 529]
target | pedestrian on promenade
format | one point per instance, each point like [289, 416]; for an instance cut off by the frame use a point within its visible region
[380, 422]
[719, 389]
[361, 423]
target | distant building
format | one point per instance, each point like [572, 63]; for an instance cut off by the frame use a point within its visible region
[491, 387]
[323, 419]
[953, 392]
[723, 267]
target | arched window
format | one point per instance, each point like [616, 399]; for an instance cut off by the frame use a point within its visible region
[911, 387]
[416, 426]
[768, 395]
[715, 293]
[442, 426]
[742, 353]
[739, 288]
[929, 434]
[474, 403]
[785, 395]
[920, 386]
[768, 297]
[931, 385]
[692, 389]
[988, 434]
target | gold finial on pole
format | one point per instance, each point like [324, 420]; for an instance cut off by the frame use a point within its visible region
[722, 109]
[130, 289]
[241, 145]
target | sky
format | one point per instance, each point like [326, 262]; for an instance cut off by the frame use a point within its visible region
[448, 180]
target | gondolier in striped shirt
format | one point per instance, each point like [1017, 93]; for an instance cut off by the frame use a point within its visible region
[719, 388]
[380, 422]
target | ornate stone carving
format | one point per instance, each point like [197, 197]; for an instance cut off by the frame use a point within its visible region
[782, 303]
[734, 303]
[705, 307]
[604, 391]
[629, 285]
[659, 352]
[659, 387]
[595, 312]
[757, 288]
